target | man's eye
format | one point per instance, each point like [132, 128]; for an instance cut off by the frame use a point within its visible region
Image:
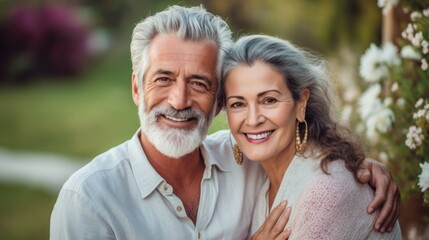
[163, 80]
[200, 85]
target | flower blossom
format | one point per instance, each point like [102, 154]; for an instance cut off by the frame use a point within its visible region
[415, 137]
[368, 99]
[424, 177]
[374, 62]
[419, 102]
[415, 16]
[387, 5]
[376, 115]
[371, 67]
[425, 46]
[426, 12]
[424, 64]
[410, 53]
[394, 87]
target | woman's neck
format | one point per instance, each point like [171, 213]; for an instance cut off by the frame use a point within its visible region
[275, 169]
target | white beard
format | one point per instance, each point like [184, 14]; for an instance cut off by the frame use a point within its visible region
[173, 142]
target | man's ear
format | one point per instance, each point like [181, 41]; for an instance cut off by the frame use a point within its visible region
[135, 89]
[302, 104]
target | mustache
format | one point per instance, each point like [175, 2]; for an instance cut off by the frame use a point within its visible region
[187, 113]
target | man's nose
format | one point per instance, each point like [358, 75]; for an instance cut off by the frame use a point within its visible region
[179, 97]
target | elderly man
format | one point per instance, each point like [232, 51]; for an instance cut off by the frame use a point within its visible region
[169, 181]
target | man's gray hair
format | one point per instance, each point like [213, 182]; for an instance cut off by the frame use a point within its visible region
[194, 23]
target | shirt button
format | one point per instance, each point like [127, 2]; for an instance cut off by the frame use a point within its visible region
[165, 188]
[179, 208]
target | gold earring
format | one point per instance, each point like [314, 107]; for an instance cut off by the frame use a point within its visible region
[300, 146]
[238, 154]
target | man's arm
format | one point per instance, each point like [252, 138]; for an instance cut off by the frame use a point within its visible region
[387, 196]
[76, 217]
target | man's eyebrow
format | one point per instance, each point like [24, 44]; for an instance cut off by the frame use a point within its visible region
[162, 72]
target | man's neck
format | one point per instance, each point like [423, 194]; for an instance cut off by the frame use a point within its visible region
[184, 174]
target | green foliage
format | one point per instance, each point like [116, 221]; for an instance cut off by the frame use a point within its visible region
[407, 141]
[24, 212]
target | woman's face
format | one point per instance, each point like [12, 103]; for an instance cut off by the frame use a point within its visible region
[262, 113]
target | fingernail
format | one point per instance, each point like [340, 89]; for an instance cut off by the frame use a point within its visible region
[377, 226]
[382, 230]
[370, 210]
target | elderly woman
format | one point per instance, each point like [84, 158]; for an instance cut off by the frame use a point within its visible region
[278, 101]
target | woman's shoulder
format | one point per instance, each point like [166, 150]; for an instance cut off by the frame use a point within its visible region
[336, 187]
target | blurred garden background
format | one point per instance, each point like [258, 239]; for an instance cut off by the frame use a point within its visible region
[65, 81]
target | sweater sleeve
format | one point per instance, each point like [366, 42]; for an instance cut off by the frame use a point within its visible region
[333, 207]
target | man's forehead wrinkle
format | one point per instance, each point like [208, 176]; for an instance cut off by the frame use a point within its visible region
[173, 56]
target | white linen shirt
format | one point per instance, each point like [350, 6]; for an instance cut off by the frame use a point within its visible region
[119, 195]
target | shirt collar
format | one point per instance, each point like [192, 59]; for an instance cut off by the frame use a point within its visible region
[147, 177]
[212, 158]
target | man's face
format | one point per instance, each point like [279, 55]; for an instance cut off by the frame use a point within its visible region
[179, 92]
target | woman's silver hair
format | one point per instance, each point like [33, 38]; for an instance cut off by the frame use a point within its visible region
[194, 24]
[301, 70]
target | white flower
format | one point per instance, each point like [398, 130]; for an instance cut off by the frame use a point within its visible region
[415, 137]
[371, 67]
[388, 101]
[394, 87]
[418, 38]
[379, 118]
[419, 114]
[419, 102]
[424, 177]
[368, 100]
[400, 102]
[410, 53]
[415, 15]
[425, 45]
[383, 119]
[374, 62]
[426, 12]
[387, 5]
[424, 64]
[390, 54]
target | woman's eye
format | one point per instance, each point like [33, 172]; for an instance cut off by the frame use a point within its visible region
[236, 105]
[269, 100]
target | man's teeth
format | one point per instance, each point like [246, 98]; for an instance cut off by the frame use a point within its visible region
[177, 119]
[259, 136]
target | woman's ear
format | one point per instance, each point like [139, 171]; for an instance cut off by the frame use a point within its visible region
[302, 104]
[135, 90]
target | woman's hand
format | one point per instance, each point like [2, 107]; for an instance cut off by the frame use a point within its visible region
[274, 225]
[387, 196]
